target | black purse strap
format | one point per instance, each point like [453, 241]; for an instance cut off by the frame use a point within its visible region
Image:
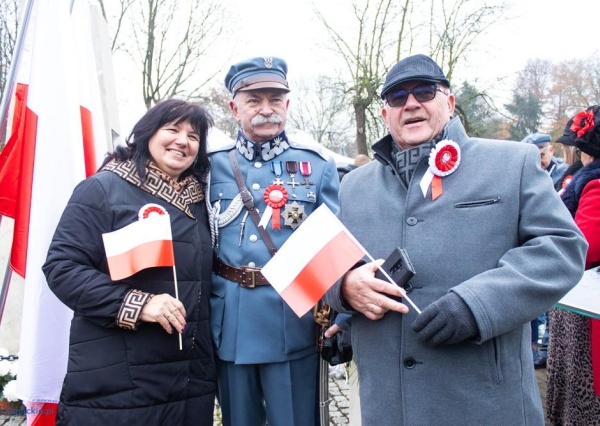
[249, 203]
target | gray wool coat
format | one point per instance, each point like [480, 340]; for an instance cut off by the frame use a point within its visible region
[500, 238]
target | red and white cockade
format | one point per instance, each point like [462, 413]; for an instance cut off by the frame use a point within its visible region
[443, 161]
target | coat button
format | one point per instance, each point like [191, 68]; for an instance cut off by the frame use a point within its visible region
[258, 165]
[412, 221]
[409, 363]
[408, 287]
[253, 238]
[256, 186]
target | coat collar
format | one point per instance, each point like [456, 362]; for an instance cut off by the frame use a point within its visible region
[452, 130]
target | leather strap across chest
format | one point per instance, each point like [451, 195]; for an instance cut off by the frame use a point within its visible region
[249, 203]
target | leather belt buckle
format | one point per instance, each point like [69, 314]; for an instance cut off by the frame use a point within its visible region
[249, 277]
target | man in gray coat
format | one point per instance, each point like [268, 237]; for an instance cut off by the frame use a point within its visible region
[492, 246]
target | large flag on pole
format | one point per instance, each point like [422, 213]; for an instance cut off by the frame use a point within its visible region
[317, 254]
[57, 125]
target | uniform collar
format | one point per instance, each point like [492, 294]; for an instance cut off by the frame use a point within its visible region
[265, 151]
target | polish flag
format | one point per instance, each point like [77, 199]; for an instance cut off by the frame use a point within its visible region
[315, 256]
[43, 160]
[146, 243]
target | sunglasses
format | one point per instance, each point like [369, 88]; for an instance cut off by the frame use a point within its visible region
[578, 153]
[422, 93]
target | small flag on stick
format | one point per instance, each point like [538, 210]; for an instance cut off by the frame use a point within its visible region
[146, 243]
[317, 254]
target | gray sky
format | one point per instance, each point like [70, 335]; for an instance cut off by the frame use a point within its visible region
[547, 29]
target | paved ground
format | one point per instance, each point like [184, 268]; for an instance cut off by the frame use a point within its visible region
[339, 408]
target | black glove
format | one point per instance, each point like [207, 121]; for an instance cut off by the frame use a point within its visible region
[446, 321]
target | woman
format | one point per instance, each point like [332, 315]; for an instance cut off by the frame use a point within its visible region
[125, 365]
[573, 392]
[571, 155]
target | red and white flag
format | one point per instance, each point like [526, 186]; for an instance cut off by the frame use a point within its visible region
[315, 256]
[43, 160]
[146, 243]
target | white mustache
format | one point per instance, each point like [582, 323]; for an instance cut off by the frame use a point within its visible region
[261, 119]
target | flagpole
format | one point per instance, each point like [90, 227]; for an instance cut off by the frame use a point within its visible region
[177, 297]
[14, 66]
[381, 269]
[5, 287]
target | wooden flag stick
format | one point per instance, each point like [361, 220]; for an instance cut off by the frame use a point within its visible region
[177, 297]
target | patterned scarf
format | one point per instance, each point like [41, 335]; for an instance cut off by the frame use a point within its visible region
[179, 194]
[265, 150]
[407, 160]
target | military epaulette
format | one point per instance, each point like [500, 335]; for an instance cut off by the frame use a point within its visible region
[315, 148]
[226, 147]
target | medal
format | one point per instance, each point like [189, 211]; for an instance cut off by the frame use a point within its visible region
[306, 170]
[275, 196]
[292, 169]
[293, 214]
[277, 169]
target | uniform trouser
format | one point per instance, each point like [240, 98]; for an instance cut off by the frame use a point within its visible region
[283, 393]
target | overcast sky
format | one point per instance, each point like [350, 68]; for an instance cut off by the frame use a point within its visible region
[547, 29]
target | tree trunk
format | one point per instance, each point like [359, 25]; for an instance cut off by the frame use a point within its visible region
[360, 112]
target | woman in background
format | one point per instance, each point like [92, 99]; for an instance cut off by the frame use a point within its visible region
[573, 368]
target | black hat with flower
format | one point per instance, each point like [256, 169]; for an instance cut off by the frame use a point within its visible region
[583, 131]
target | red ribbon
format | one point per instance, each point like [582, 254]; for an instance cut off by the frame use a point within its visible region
[275, 196]
[436, 187]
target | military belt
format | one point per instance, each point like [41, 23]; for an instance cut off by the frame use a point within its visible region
[245, 276]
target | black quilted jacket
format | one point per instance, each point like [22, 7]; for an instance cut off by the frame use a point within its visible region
[117, 376]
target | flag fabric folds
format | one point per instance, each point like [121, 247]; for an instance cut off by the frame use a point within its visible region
[144, 244]
[43, 160]
[317, 254]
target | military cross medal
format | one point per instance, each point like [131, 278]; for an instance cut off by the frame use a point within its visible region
[292, 169]
[277, 169]
[293, 214]
[306, 170]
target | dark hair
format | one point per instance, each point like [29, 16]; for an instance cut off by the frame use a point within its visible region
[165, 112]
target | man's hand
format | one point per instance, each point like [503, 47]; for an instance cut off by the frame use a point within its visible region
[446, 321]
[368, 294]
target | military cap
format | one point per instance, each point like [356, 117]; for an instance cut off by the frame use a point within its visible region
[257, 73]
[537, 139]
[416, 67]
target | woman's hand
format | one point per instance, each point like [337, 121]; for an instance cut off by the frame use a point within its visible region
[165, 310]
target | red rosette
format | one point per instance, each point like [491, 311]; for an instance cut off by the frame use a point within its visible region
[150, 209]
[275, 196]
[444, 158]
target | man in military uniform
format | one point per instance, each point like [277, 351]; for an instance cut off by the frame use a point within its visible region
[267, 358]
[554, 166]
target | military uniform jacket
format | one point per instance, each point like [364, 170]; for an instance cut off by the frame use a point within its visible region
[499, 237]
[255, 325]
